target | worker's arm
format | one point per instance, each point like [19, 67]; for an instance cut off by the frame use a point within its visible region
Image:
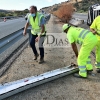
[93, 31]
[74, 47]
[93, 27]
[42, 24]
[42, 29]
[26, 26]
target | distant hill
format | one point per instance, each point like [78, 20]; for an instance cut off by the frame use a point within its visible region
[80, 5]
[1, 10]
[4, 13]
[57, 6]
[83, 5]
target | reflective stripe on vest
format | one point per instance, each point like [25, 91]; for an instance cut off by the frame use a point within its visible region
[81, 33]
[36, 28]
[88, 62]
[82, 36]
[89, 57]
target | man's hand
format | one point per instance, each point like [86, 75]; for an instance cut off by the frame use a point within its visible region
[24, 32]
[74, 47]
[26, 26]
[37, 39]
[93, 31]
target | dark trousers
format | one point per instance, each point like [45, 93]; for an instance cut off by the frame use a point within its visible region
[32, 44]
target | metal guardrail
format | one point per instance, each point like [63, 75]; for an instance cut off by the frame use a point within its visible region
[12, 88]
[9, 40]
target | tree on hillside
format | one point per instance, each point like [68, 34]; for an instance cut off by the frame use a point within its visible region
[9, 14]
[2, 14]
[76, 4]
[26, 11]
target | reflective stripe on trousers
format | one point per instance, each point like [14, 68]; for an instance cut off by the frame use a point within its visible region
[82, 71]
[89, 65]
[89, 61]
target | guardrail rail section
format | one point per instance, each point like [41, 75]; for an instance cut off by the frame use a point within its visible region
[9, 40]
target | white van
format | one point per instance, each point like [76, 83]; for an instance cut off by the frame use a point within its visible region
[93, 12]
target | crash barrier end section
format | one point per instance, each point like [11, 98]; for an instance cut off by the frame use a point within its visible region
[12, 88]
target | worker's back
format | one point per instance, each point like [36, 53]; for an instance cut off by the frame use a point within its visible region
[78, 35]
[73, 34]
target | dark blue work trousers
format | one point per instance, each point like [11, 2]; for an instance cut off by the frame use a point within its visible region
[40, 43]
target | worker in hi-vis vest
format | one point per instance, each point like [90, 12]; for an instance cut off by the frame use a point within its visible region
[88, 41]
[95, 28]
[37, 22]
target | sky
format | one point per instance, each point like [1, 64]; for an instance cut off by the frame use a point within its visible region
[25, 4]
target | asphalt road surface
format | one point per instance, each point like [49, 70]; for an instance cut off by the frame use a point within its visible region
[7, 28]
[80, 16]
[11, 26]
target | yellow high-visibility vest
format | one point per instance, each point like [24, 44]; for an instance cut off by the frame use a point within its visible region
[36, 28]
[77, 34]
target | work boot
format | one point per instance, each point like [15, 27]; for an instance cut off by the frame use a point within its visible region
[41, 60]
[98, 70]
[78, 76]
[90, 72]
[36, 56]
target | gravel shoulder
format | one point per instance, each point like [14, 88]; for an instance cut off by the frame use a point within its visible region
[66, 88]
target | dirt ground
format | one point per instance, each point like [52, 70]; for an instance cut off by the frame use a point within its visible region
[66, 88]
